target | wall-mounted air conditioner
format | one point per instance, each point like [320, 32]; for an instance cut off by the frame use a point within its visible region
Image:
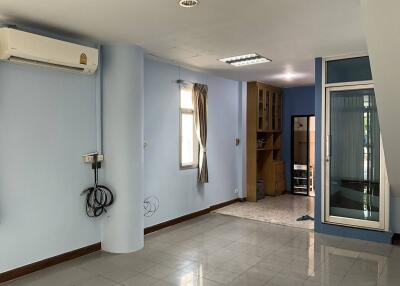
[22, 47]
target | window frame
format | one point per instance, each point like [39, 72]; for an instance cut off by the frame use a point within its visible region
[182, 111]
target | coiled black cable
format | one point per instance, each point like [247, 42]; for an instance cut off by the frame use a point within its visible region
[98, 197]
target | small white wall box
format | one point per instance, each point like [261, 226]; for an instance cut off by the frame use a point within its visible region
[91, 158]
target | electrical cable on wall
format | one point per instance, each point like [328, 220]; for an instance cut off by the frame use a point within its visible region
[151, 205]
[98, 197]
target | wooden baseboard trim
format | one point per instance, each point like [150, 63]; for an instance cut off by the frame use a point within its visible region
[36, 266]
[224, 204]
[174, 221]
[180, 219]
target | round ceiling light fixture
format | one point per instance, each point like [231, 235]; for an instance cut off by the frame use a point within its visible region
[188, 3]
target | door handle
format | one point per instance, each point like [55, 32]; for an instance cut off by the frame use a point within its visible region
[328, 148]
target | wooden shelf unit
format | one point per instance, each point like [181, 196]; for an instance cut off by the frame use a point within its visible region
[264, 139]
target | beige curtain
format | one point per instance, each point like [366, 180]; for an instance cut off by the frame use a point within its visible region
[200, 121]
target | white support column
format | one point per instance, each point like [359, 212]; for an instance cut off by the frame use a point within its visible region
[122, 226]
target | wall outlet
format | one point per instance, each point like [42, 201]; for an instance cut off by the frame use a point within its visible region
[236, 191]
[91, 157]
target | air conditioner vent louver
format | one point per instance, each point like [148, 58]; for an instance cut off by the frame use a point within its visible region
[19, 60]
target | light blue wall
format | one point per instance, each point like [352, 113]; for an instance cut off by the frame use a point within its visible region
[47, 121]
[122, 227]
[296, 101]
[176, 189]
[319, 226]
[241, 149]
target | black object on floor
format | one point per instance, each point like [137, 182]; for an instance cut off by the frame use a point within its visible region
[260, 190]
[396, 239]
[305, 217]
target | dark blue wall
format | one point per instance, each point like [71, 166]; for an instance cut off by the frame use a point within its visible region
[318, 122]
[296, 101]
[370, 235]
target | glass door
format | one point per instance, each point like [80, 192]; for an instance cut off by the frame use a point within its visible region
[353, 161]
[267, 114]
[260, 110]
[273, 121]
[277, 111]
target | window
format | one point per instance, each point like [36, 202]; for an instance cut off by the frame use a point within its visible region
[189, 146]
[348, 70]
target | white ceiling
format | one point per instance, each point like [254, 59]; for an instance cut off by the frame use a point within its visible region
[290, 32]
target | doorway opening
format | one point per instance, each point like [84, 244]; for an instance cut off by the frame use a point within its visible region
[268, 160]
[303, 155]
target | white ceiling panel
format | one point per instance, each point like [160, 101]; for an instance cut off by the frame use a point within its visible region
[290, 32]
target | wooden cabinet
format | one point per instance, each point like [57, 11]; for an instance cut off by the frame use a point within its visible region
[264, 139]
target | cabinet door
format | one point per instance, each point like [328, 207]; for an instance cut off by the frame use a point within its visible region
[273, 110]
[267, 112]
[260, 109]
[279, 169]
[278, 112]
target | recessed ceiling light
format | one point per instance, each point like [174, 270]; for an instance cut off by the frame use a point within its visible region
[289, 76]
[245, 60]
[188, 3]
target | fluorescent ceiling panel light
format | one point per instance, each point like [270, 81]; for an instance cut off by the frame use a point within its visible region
[245, 60]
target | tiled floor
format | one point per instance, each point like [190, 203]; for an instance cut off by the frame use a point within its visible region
[282, 210]
[225, 250]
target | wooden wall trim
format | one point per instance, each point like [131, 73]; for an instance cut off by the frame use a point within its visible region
[174, 221]
[224, 204]
[180, 219]
[42, 264]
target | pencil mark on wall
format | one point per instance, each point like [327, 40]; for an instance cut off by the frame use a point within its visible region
[151, 205]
